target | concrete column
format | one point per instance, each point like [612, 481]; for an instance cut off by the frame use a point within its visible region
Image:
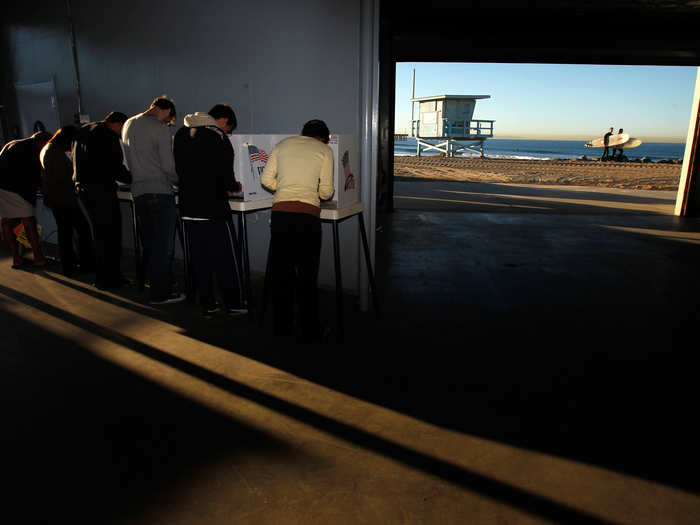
[369, 124]
[688, 199]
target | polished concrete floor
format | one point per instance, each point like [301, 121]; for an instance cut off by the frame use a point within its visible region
[533, 362]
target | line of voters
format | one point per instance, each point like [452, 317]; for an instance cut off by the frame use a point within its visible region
[79, 169]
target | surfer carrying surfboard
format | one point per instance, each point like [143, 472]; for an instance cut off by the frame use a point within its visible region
[606, 143]
[617, 151]
[619, 141]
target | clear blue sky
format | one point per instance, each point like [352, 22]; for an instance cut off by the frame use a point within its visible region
[559, 101]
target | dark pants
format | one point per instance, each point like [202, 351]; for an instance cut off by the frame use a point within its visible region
[295, 251]
[156, 215]
[70, 216]
[212, 256]
[106, 219]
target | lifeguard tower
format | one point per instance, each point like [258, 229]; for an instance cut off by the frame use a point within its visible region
[448, 120]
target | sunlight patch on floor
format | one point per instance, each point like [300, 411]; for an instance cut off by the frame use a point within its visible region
[665, 208]
[670, 235]
[154, 350]
[476, 203]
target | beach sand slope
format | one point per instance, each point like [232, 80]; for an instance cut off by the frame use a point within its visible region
[574, 172]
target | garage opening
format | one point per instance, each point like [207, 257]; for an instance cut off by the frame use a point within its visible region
[603, 135]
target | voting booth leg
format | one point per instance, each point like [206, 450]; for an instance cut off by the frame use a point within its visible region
[180, 233]
[338, 282]
[245, 261]
[266, 290]
[138, 248]
[187, 262]
[368, 260]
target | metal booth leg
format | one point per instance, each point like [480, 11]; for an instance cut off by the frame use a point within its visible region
[138, 248]
[245, 261]
[179, 232]
[368, 260]
[266, 289]
[338, 282]
[187, 263]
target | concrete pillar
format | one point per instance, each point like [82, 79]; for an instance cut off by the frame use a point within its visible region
[688, 199]
[369, 133]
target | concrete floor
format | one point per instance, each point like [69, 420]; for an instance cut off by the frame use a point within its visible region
[530, 365]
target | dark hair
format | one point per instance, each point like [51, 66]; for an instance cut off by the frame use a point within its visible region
[316, 128]
[41, 137]
[224, 111]
[116, 116]
[164, 103]
[64, 137]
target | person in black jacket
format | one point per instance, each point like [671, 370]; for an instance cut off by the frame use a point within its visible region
[59, 195]
[204, 164]
[20, 179]
[98, 164]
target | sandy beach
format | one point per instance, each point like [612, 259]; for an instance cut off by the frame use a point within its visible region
[574, 172]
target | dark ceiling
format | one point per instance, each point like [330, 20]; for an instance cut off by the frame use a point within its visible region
[614, 32]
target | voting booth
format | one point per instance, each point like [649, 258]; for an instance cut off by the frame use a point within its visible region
[253, 151]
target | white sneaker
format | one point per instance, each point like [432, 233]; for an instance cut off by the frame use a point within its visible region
[172, 298]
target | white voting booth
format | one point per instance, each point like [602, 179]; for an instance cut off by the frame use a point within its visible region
[251, 155]
[252, 152]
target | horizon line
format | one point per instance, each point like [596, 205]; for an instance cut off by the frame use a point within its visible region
[678, 140]
[674, 140]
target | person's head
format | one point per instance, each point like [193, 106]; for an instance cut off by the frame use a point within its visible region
[40, 138]
[620, 130]
[611, 129]
[225, 117]
[64, 137]
[316, 129]
[115, 121]
[163, 109]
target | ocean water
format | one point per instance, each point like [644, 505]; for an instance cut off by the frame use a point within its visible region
[552, 149]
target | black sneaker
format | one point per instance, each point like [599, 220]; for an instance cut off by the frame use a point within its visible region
[172, 298]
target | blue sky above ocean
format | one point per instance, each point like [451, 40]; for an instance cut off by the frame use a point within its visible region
[555, 101]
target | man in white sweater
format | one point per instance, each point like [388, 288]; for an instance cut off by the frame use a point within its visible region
[149, 155]
[300, 172]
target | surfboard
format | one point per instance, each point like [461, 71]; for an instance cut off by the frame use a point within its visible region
[614, 140]
[631, 143]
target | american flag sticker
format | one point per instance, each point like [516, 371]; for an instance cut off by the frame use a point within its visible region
[258, 159]
[257, 154]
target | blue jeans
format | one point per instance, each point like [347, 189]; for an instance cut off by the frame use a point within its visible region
[157, 215]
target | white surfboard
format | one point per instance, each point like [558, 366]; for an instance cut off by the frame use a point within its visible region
[631, 143]
[614, 140]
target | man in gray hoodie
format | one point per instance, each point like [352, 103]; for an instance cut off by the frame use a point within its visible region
[149, 155]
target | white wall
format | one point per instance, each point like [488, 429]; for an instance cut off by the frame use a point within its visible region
[277, 63]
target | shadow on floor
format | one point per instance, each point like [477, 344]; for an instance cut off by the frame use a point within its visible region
[565, 334]
[95, 443]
